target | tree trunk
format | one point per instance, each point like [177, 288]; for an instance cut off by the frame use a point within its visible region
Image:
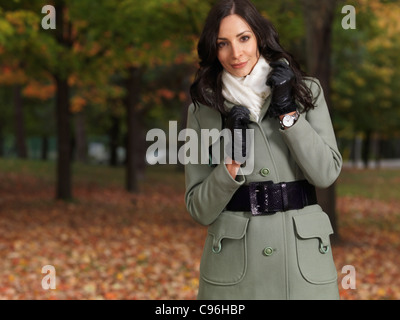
[20, 137]
[133, 140]
[366, 147]
[318, 16]
[378, 150]
[184, 110]
[1, 138]
[63, 188]
[357, 150]
[80, 137]
[44, 151]
[63, 34]
[114, 133]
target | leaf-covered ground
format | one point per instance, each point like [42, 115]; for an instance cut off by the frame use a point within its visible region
[109, 244]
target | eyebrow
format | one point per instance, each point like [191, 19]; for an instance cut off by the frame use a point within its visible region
[238, 35]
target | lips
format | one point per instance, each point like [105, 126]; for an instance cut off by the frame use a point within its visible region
[239, 65]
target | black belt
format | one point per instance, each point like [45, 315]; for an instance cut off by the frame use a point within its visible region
[266, 198]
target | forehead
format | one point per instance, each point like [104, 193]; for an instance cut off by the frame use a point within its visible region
[233, 25]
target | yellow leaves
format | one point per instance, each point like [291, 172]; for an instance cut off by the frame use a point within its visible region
[379, 43]
[360, 82]
[345, 103]
[22, 20]
[6, 29]
[388, 17]
[383, 73]
[142, 257]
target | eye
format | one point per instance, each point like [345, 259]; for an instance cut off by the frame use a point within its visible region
[221, 44]
[244, 38]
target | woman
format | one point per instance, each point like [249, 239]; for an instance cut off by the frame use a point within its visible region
[267, 236]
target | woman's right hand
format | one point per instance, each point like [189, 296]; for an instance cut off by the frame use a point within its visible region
[237, 122]
[232, 166]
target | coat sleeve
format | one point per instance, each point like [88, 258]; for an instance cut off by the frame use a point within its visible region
[208, 189]
[312, 142]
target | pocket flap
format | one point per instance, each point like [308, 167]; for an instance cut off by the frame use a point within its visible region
[228, 225]
[312, 242]
[314, 225]
[224, 260]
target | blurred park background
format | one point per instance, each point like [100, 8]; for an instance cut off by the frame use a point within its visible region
[76, 102]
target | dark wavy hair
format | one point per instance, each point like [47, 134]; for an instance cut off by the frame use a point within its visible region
[207, 86]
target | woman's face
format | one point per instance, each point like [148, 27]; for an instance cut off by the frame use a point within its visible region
[237, 46]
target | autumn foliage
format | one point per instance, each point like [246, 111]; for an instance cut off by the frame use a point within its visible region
[111, 244]
[107, 243]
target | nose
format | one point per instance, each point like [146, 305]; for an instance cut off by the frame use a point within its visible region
[236, 51]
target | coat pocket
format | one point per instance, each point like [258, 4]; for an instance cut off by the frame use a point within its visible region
[224, 259]
[314, 255]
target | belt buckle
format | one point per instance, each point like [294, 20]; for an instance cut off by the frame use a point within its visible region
[259, 198]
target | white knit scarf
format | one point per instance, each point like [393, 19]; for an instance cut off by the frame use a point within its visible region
[249, 91]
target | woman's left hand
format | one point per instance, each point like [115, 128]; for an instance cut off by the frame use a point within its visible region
[281, 80]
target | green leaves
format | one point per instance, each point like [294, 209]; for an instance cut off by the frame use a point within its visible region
[6, 29]
[366, 78]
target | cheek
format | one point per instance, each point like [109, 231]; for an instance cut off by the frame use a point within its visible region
[250, 48]
[222, 57]
[254, 50]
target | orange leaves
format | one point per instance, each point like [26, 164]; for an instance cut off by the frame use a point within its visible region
[11, 76]
[114, 245]
[77, 104]
[166, 44]
[166, 94]
[370, 243]
[39, 90]
[108, 245]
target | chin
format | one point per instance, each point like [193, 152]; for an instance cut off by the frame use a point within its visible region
[241, 73]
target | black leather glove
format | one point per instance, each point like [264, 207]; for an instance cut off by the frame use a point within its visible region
[281, 80]
[237, 122]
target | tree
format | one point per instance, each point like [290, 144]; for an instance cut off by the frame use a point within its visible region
[318, 16]
[366, 89]
[163, 32]
[63, 37]
[18, 32]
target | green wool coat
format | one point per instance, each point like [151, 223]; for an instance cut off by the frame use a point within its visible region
[276, 256]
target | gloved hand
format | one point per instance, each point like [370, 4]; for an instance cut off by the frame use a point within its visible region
[281, 80]
[237, 122]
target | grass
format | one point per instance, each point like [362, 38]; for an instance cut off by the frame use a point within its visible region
[46, 170]
[93, 175]
[378, 184]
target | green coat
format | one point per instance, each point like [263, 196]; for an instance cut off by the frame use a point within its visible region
[276, 256]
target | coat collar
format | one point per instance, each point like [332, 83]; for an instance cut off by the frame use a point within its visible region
[264, 108]
[210, 118]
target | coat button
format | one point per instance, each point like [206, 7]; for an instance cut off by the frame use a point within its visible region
[268, 251]
[264, 172]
